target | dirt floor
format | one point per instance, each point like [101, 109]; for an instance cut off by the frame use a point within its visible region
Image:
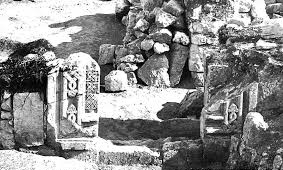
[82, 26]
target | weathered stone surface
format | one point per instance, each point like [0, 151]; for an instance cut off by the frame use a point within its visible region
[6, 135]
[120, 52]
[181, 37]
[180, 23]
[140, 35]
[178, 57]
[116, 80]
[182, 155]
[134, 47]
[138, 58]
[106, 54]
[28, 119]
[274, 8]
[258, 10]
[127, 67]
[216, 149]
[196, 58]
[161, 36]
[277, 162]
[121, 9]
[173, 7]
[270, 2]
[6, 115]
[160, 48]
[264, 45]
[132, 79]
[206, 28]
[243, 5]
[192, 104]
[142, 25]
[200, 39]
[254, 128]
[198, 79]
[149, 5]
[147, 44]
[154, 71]
[164, 19]
[49, 55]
[241, 20]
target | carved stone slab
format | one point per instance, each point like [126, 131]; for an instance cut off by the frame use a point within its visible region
[72, 95]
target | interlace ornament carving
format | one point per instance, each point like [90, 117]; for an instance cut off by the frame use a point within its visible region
[72, 113]
[92, 75]
[232, 113]
[72, 84]
[91, 102]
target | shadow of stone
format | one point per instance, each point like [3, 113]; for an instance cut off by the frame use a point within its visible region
[96, 30]
[169, 111]
[138, 129]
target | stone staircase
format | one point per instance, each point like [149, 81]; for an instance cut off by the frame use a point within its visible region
[169, 151]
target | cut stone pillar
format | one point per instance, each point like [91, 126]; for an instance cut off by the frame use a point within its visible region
[28, 119]
[73, 99]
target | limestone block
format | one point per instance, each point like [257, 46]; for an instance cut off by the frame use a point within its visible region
[134, 47]
[149, 5]
[127, 67]
[270, 2]
[241, 19]
[140, 34]
[6, 102]
[147, 44]
[164, 19]
[160, 48]
[141, 25]
[132, 79]
[196, 58]
[274, 8]
[121, 51]
[138, 58]
[6, 135]
[154, 71]
[198, 79]
[6, 115]
[258, 11]
[243, 5]
[173, 7]
[116, 80]
[181, 37]
[106, 54]
[178, 57]
[28, 119]
[185, 154]
[264, 45]
[161, 36]
[200, 39]
[207, 28]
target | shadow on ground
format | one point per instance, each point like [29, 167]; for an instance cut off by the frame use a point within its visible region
[138, 129]
[96, 30]
[169, 111]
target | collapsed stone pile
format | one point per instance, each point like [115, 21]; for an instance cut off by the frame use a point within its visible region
[162, 36]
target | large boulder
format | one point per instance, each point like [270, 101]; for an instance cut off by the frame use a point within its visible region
[116, 81]
[178, 57]
[154, 71]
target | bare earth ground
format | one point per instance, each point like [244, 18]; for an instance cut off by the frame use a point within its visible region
[82, 26]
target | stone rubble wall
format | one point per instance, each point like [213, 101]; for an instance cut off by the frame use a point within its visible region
[162, 36]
